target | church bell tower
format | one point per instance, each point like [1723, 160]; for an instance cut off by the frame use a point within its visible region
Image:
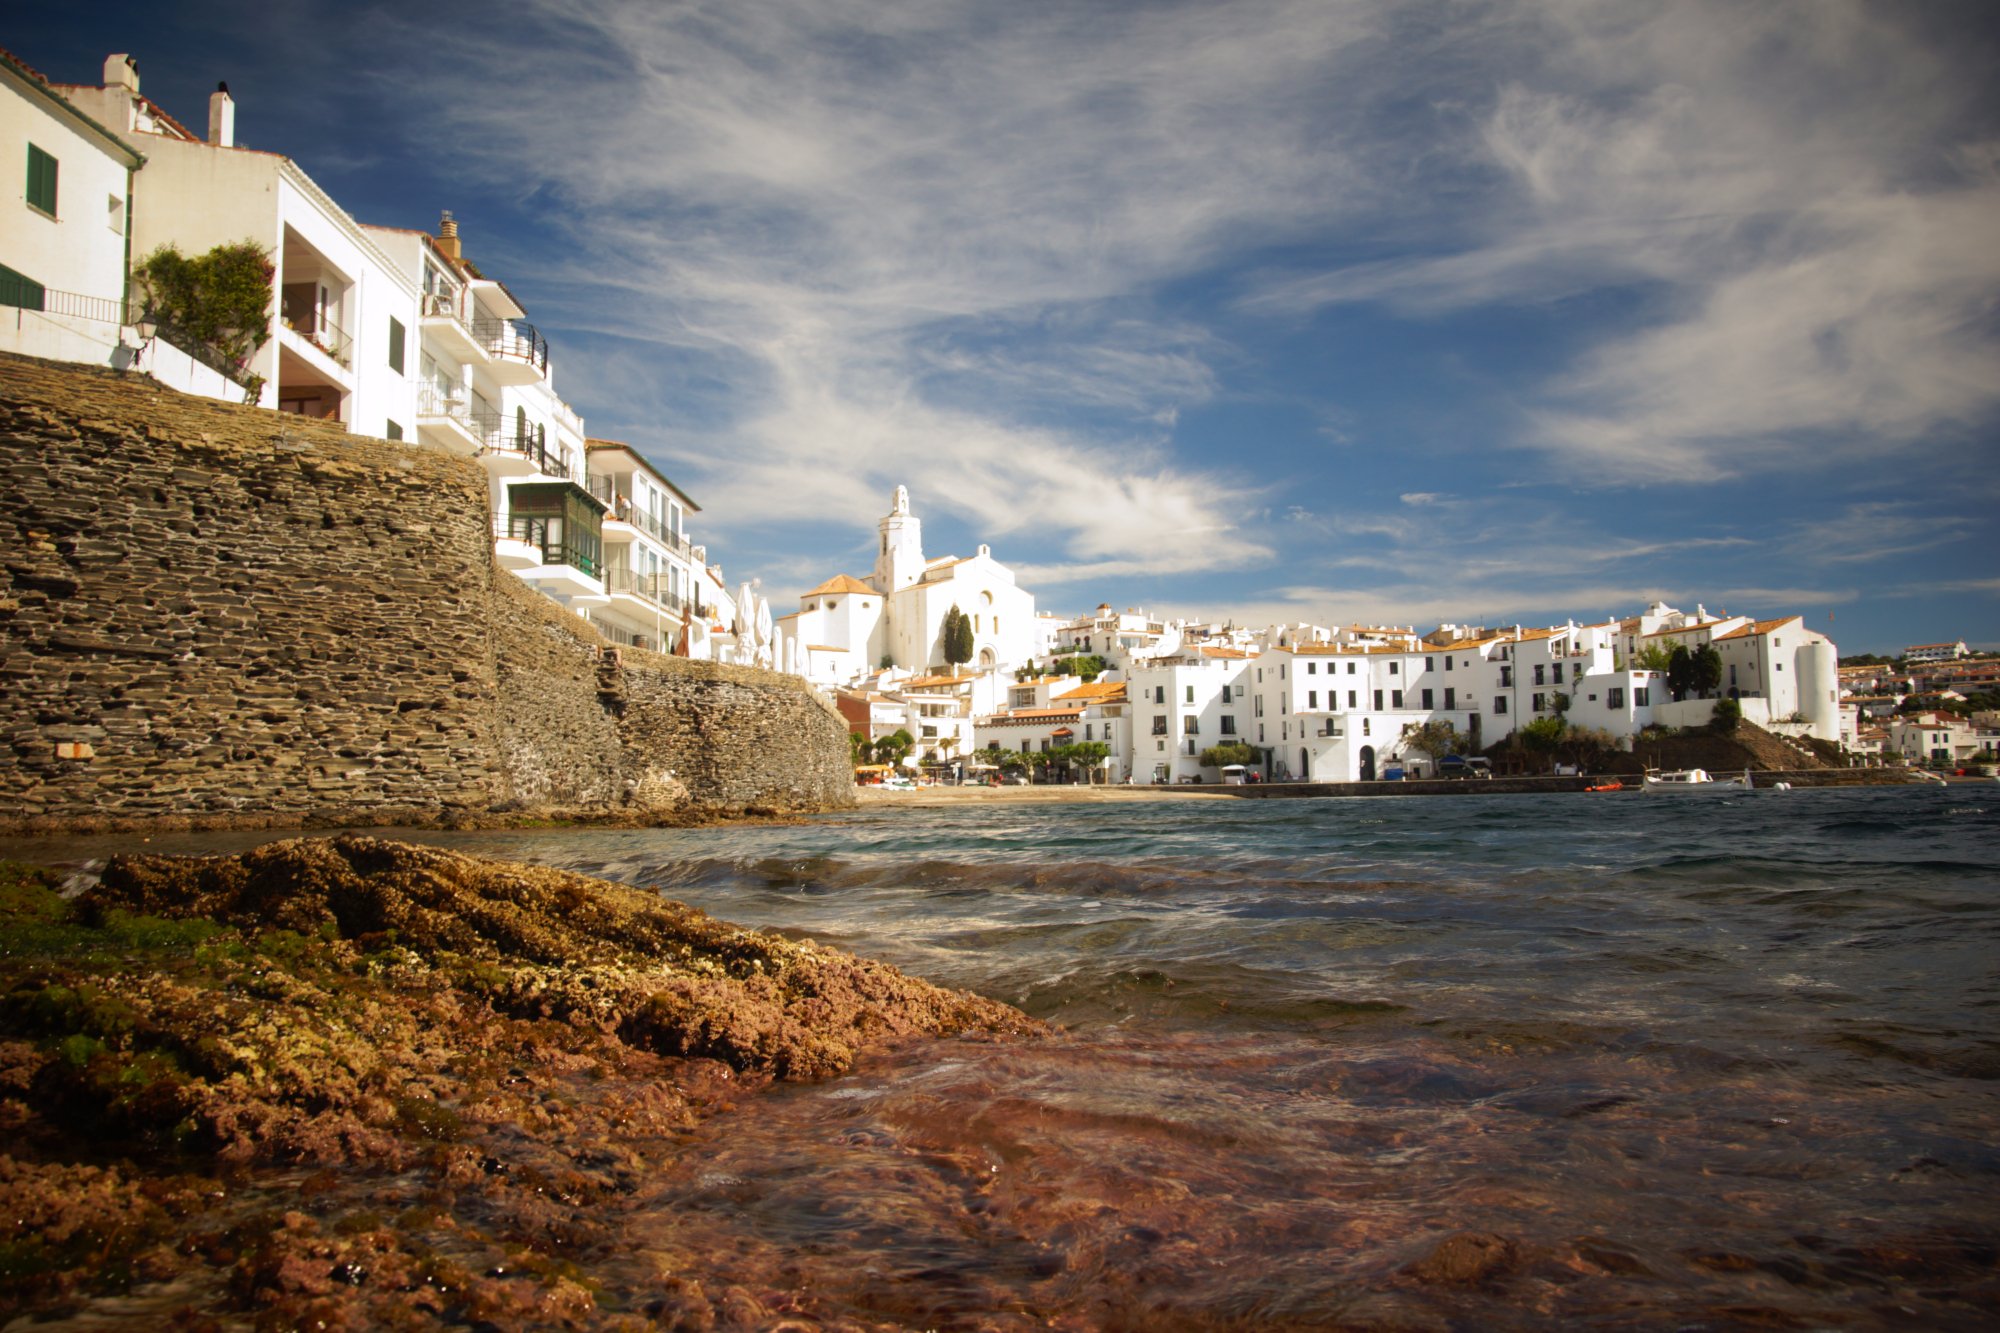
[899, 560]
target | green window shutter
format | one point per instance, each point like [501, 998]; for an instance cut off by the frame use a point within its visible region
[396, 347]
[41, 180]
[18, 289]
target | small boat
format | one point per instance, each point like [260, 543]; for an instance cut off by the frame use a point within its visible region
[1607, 786]
[1695, 780]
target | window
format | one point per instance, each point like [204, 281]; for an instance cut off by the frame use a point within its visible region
[1228, 724]
[1190, 694]
[1160, 725]
[1393, 666]
[1615, 696]
[114, 213]
[1428, 664]
[1159, 694]
[1350, 698]
[1642, 696]
[392, 431]
[41, 181]
[1260, 733]
[1312, 668]
[1427, 701]
[1260, 705]
[1312, 700]
[1191, 725]
[1378, 701]
[1350, 668]
[1159, 747]
[395, 344]
[18, 289]
[1365, 727]
[1447, 664]
[1500, 705]
[1539, 670]
[1506, 677]
[1556, 672]
[1395, 698]
[1086, 731]
[1538, 704]
[1450, 695]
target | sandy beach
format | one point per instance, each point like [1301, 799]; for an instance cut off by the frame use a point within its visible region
[941, 796]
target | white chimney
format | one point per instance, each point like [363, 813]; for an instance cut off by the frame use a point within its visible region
[121, 71]
[221, 117]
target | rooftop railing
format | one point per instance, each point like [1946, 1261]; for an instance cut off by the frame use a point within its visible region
[622, 509]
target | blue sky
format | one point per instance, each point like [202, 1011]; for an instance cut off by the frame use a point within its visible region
[1281, 310]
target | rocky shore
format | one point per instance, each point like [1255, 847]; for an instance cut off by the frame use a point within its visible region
[352, 1083]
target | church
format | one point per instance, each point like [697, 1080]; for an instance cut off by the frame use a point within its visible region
[848, 627]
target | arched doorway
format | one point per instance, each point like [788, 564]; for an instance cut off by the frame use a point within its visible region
[986, 659]
[1367, 763]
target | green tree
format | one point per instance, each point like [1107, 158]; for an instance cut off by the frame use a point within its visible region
[956, 637]
[895, 747]
[1680, 672]
[1652, 657]
[1088, 755]
[1727, 717]
[215, 306]
[1706, 671]
[1436, 738]
[1228, 752]
[1085, 666]
[1541, 736]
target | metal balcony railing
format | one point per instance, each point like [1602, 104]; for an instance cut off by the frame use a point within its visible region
[27, 294]
[435, 402]
[651, 587]
[623, 510]
[320, 331]
[514, 339]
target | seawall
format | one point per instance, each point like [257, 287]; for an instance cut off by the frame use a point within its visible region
[216, 616]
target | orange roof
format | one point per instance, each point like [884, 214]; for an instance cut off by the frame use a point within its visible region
[920, 682]
[1223, 652]
[840, 583]
[1038, 715]
[1097, 691]
[1760, 627]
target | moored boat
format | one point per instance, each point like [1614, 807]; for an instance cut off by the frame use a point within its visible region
[1695, 780]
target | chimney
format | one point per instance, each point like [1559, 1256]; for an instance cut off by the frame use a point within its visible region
[447, 237]
[121, 71]
[222, 117]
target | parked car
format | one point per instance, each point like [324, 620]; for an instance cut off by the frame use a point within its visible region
[1235, 775]
[1464, 766]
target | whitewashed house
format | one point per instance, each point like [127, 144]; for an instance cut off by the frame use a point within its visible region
[1182, 703]
[339, 346]
[650, 566]
[63, 283]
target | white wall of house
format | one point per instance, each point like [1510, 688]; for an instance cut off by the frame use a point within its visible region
[1182, 705]
[77, 249]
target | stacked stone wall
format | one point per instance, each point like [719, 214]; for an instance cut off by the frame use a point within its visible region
[217, 615]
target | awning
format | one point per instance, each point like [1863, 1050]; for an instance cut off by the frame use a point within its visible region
[1062, 731]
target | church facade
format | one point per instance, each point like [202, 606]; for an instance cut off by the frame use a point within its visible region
[847, 627]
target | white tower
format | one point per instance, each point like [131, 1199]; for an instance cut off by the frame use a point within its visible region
[899, 561]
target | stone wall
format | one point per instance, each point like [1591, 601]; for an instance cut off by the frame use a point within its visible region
[218, 615]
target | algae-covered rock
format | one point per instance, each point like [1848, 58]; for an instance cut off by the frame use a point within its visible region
[470, 1065]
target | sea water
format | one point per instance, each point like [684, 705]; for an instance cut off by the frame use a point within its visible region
[1499, 1061]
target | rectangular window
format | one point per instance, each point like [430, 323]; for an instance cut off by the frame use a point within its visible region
[1190, 694]
[42, 170]
[392, 431]
[1538, 705]
[1350, 668]
[1500, 705]
[1350, 698]
[395, 344]
[1260, 733]
[1159, 694]
[1394, 667]
[1429, 664]
[1450, 695]
[1642, 696]
[1539, 669]
[1312, 668]
[1260, 705]
[1615, 696]
[1086, 731]
[20, 290]
[1191, 725]
[1312, 700]
[1447, 664]
[1427, 701]
[1378, 701]
[1506, 677]
[1557, 672]
[1395, 698]
[1228, 724]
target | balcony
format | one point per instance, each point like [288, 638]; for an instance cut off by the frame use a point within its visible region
[445, 420]
[621, 510]
[520, 353]
[444, 324]
[516, 451]
[652, 589]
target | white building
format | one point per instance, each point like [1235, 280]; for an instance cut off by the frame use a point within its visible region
[1936, 652]
[848, 626]
[339, 343]
[63, 285]
[1183, 703]
[652, 572]
[1040, 719]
